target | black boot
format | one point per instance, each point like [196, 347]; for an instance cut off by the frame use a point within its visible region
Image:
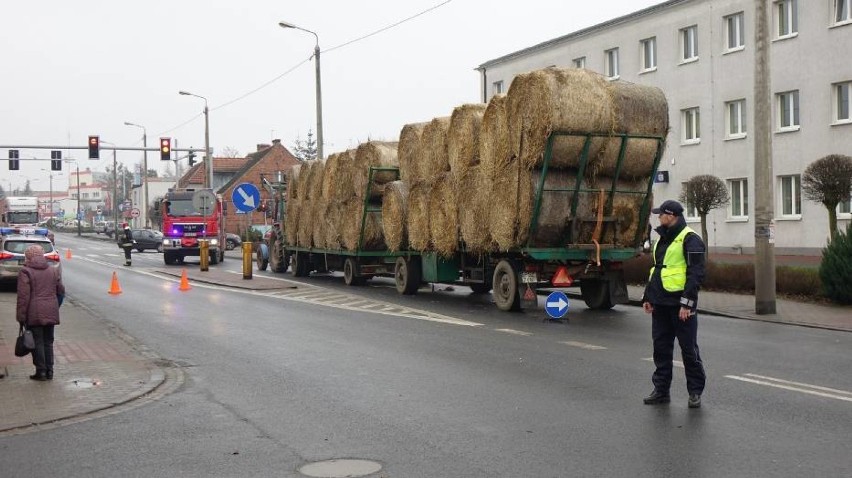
[38, 377]
[657, 398]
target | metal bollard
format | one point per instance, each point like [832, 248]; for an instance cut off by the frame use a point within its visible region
[247, 266]
[204, 254]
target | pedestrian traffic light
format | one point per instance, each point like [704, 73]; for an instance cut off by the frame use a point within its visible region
[14, 164]
[94, 147]
[56, 160]
[165, 149]
[191, 157]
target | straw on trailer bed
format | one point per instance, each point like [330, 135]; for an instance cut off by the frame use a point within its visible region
[494, 150]
[434, 143]
[411, 151]
[463, 138]
[419, 236]
[394, 215]
[444, 219]
[474, 196]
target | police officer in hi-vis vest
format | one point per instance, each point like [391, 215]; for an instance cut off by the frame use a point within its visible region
[671, 298]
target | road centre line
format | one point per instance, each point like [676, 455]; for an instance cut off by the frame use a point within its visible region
[784, 384]
[514, 332]
[583, 345]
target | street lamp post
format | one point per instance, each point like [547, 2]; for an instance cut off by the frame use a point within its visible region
[208, 158]
[318, 83]
[79, 217]
[115, 186]
[145, 219]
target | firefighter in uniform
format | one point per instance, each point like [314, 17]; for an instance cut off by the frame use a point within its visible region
[125, 241]
[671, 298]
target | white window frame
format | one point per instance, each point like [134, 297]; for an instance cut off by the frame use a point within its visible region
[841, 98]
[844, 210]
[611, 63]
[786, 19]
[689, 44]
[735, 119]
[648, 54]
[788, 106]
[690, 125]
[738, 189]
[794, 202]
[735, 30]
[497, 87]
[690, 213]
[841, 12]
[580, 62]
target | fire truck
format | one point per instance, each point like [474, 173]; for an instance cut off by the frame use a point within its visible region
[190, 216]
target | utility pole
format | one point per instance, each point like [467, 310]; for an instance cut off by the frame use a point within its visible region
[764, 212]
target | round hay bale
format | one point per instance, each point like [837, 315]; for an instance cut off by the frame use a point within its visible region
[474, 195]
[320, 205]
[330, 176]
[293, 182]
[343, 188]
[304, 180]
[419, 235]
[352, 216]
[444, 221]
[291, 222]
[463, 138]
[314, 179]
[411, 151]
[543, 101]
[435, 159]
[494, 150]
[626, 208]
[394, 217]
[333, 217]
[374, 154]
[305, 227]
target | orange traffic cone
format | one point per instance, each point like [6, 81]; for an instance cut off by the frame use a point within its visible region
[68, 253]
[114, 288]
[184, 281]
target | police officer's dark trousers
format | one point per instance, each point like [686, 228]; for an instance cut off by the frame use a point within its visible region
[664, 328]
[127, 250]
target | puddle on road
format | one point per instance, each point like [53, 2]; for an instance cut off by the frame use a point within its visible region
[343, 468]
[81, 383]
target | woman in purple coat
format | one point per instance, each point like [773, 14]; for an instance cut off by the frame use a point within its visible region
[39, 289]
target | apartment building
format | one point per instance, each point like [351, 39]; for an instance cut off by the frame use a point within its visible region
[701, 54]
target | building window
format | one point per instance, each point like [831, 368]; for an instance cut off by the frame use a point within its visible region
[497, 87]
[689, 43]
[85, 195]
[690, 211]
[788, 111]
[648, 51]
[611, 67]
[580, 63]
[735, 28]
[691, 122]
[842, 11]
[735, 119]
[96, 194]
[739, 198]
[842, 102]
[845, 208]
[786, 12]
[791, 196]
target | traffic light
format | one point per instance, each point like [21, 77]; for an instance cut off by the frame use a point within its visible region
[94, 147]
[14, 164]
[56, 160]
[165, 149]
[191, 157]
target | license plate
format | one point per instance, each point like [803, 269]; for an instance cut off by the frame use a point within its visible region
[529, 277]
[189, 234]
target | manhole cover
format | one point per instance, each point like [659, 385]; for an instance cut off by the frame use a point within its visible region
[340, 468]
[84, 383]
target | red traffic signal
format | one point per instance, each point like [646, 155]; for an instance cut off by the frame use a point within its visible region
[94, 147]
[165, 149]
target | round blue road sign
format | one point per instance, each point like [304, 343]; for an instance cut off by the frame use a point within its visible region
[556, 305]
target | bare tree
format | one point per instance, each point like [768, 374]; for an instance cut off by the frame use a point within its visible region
[229, 152]
[704, 192]
[828, 180]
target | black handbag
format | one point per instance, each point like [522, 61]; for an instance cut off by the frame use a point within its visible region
[25, 343]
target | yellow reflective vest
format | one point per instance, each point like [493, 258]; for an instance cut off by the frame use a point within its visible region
[673, 273]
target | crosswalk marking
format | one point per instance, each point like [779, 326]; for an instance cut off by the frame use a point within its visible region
[583, 345]
[794, 386]
[514, 332]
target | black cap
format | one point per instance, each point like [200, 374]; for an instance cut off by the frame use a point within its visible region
[669, 207]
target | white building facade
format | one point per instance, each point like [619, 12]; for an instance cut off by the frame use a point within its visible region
[701, 54]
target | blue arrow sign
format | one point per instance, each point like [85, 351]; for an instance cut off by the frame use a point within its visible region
[556, 305]
[246, 197]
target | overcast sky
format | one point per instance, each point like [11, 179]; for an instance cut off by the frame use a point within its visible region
[74, 68]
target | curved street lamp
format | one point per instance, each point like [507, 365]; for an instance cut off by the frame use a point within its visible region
[208, 158]
[318, 82]
[145, 220]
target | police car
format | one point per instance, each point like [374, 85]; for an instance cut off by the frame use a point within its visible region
[14, 241]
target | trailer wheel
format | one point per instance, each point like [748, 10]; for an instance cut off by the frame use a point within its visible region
[170, 258]
[277, 256]
[479, 287]
[300, 264]
[262, 262]
[505, 281]
[213, 257]
[350, 273]
[408, 274]
[595, 294]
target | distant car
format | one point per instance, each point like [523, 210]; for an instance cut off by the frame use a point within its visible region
[147, 239]
[14, 242]
[232, 241]
[105, 227]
